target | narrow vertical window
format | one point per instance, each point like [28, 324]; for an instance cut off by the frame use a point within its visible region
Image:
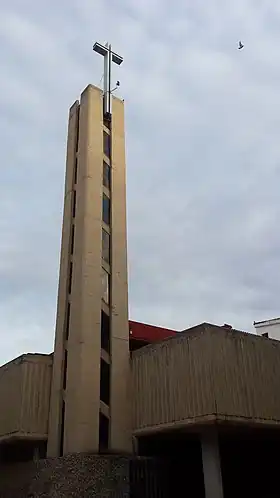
[103, 433]
[78, 129]
[72, 239]
[106, 246]
[65, 368]
[107, 122]
[74, 204]
[76, 171]
[105, 332]
[67, 321]
[70, 277]
[106, 208]
[106, 144]
[62, 423]
[105, 382]
[105, 286]
[106, 175]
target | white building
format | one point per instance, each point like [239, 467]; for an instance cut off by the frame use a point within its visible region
[269, 328]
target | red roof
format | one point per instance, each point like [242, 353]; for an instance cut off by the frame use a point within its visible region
[149, 333]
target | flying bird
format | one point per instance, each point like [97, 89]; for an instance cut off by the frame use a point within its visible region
[240, 45]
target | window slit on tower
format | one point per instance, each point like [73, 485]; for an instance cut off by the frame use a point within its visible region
[75, 171]
[61, 445]
[105, 282]
[70, 277]
[105, 382]
[106, 144]
[65, 369]
[78, 129]
[106, 246]
[103, 433]
[106, 209]
[67, 322]
[106, 175]
[72, 239]
[105, 332]
[74, 204]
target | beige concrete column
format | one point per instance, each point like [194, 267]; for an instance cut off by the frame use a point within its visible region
[213, 483]
[120, 406]
[82, 396]
[76, 389]
[62, 300]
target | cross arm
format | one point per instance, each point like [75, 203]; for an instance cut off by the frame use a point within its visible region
[101, 50]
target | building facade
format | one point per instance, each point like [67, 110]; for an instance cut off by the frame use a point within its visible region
[90, 385]
[268, 328]
[114, 386]
[205, 402]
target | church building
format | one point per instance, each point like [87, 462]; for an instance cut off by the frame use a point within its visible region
[203, 404]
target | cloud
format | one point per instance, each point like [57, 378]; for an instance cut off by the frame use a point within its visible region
[203, 161]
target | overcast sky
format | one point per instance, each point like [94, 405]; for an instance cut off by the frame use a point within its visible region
[203, 156]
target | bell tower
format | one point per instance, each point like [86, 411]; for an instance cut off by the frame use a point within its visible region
[90, 401]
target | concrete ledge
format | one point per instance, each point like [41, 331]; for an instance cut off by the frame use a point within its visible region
[22, 436]
[191, 424]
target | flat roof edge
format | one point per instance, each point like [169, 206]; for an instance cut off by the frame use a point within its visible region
[262, 323]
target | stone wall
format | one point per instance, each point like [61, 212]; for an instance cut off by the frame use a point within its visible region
[76, 475]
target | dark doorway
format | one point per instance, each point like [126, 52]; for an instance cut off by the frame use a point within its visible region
[179, 461]
[22, 451]
[249, 460]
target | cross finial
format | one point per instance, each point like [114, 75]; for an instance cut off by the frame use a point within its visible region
[109, 57]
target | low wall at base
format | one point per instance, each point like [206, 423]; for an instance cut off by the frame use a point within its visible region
[75, 475]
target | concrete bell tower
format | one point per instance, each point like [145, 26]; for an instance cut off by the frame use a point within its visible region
[90, 401]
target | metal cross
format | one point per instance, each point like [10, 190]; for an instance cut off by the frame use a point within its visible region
[109, 57]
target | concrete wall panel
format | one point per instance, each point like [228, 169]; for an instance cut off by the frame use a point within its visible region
[206, 374]
[36, 400]
[63, 285]
[246, 376]
[24, 394]
[10, 397]
[120, 430]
